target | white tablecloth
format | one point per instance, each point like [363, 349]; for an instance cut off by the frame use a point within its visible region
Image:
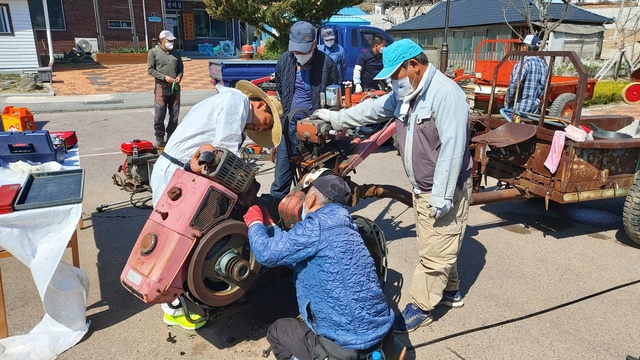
[38, 238]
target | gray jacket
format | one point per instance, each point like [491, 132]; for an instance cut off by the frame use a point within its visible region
[432, 136]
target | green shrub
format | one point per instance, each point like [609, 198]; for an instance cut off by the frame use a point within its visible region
[273, 50]
[607, 92]
[122, 50]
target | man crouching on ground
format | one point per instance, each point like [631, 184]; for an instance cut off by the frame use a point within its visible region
[343, 309]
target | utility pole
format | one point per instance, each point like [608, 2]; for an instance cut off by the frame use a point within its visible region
[444, 52]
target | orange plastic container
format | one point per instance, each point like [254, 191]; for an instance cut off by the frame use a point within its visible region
[17, 119]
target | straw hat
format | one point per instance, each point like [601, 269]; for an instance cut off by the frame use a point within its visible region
[264, 138]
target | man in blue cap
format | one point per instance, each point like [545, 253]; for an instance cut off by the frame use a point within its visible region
[530, 86]
[431, 116]
[344, 312]
[302, 73]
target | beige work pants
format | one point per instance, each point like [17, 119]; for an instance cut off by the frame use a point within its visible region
[439, 242]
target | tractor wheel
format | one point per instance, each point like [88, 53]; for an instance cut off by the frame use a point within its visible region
[631, 93]
[631, 212]
[376, 243]
[563, 105]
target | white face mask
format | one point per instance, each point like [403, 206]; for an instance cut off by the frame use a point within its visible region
[304, 58]
[304, 211]
[168, 45]
[403, 87]
[329, 43]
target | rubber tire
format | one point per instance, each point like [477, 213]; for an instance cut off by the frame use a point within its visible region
[631, 212]
[561, 102]
[631, 93]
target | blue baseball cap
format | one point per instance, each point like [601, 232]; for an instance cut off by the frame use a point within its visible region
[301, 37]
[395, 54]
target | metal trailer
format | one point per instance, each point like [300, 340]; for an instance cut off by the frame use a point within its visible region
[515, 153]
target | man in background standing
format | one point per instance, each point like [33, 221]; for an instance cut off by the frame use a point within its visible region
[165, 65]
[334, 50]
[368, 66]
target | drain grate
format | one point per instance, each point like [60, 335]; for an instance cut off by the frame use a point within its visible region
[105, 102]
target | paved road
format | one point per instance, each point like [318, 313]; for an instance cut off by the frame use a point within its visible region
[557, 284]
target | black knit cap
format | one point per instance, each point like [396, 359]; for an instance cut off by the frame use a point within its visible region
[334, 188]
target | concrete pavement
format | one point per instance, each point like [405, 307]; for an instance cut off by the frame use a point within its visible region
[557, 284]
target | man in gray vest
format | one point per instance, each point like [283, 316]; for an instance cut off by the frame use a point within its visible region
[431, 115]
[165, 65]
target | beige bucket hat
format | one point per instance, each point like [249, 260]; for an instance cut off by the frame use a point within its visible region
[264, 138]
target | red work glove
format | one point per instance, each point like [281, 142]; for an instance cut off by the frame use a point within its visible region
[267, 220]
[253, 216]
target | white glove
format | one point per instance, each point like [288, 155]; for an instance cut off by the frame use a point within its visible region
[438, 212]
[323, 114]
[358, 88]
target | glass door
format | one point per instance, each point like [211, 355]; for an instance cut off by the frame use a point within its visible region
[174, 24]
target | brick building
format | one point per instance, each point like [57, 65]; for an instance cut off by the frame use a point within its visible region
[131, 24]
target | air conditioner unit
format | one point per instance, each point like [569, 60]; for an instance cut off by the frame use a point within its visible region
[227, 48]
[86, 45]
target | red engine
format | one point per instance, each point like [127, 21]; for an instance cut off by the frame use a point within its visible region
[135, 171]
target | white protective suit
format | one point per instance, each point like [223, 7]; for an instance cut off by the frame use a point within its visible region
[218, 120]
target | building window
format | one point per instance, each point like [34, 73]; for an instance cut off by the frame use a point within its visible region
[206, 27]
[56, 14]
[6, 27]
[119, 24]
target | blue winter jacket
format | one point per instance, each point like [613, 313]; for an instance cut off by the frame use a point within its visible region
[339, 296]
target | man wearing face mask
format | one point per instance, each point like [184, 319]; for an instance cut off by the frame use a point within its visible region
[334, 50]
[431, 117]
[302, 73]
[165, 65]
[368, 66]
[343, 316]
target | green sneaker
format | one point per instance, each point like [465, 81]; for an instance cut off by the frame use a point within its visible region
[182, 321]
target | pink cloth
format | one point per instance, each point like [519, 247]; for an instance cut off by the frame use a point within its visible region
[555, 153]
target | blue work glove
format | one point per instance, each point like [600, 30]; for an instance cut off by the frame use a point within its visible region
[438, 212]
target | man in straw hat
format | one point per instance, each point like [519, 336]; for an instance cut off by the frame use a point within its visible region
[221, 120]
[431, 117]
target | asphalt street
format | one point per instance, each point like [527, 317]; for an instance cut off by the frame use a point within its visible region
[562, 283]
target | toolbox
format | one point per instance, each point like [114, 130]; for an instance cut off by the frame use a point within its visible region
[69, 137]
[17, 119]
[35, 146]
[52, 188]
[136, 147]
[8, 194]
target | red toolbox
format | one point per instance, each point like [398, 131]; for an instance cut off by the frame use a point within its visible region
[8, 194]
[69, 137]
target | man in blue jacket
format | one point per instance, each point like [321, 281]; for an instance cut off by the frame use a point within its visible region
[343, 309]
[302, 73]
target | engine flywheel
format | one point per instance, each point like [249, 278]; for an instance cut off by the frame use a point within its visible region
[222, 268]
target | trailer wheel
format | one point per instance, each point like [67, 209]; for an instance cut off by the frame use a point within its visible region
[631, 212]
[563, 105]
[631, 93]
